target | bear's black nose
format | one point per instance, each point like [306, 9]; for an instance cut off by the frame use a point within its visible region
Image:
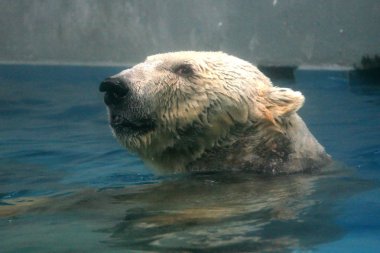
[114, 89]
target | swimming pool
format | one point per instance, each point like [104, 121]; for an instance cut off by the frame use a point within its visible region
[67, 186]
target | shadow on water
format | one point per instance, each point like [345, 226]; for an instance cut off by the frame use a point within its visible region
[206, 213]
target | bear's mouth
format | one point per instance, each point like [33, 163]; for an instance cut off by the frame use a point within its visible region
[123, 125]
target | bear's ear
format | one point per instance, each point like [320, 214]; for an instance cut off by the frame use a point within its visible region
[280, 102]
[284, 101]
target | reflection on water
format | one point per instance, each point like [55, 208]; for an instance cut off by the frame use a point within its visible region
[225, 213]
[200, 212]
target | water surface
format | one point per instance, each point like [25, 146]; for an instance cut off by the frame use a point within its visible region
[67, 186]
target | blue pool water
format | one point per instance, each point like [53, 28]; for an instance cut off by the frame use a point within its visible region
[67, 186]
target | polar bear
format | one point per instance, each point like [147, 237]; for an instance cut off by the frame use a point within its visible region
[209, 111]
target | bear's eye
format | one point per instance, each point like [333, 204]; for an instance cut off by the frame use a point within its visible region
[184, 70]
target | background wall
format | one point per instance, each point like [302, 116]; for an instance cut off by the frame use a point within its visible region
[266, 32]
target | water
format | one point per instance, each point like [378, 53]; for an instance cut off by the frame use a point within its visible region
[67, 186]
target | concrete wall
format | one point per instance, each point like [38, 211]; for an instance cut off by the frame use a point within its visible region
[266, 32]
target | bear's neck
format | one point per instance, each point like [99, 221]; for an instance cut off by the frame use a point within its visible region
[260, 147]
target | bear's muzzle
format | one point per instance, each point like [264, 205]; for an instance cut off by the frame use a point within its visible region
[115, 90]
[126, 111]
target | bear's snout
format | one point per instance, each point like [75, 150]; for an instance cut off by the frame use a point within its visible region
[115, 90]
